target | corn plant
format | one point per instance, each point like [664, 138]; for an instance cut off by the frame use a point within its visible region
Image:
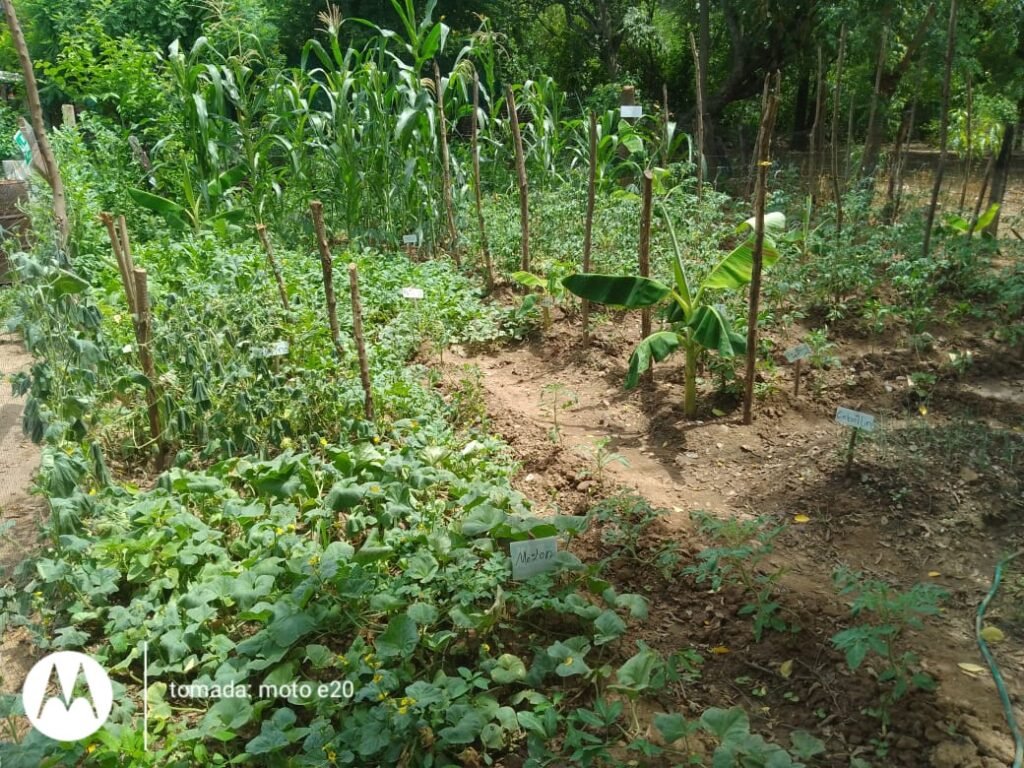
[696, 322]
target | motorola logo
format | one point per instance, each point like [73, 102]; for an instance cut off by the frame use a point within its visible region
[67, 696]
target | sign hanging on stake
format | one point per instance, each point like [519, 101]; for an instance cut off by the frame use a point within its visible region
[533, 556]
[412, 293]
[277, 349]
[855, 419]
[411, 239]
[631, 111]
[799, 352]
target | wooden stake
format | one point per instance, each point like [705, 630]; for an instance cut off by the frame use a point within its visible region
[816, 132]
[665, 120]
[127, 278]
[261, 230]
[327, 266]
[144, 334]
[796, 379]
[769, 107]
[588, 225]
[645, 261]
[943, 129]
[524, 193]
[968, 158]
[357, 328]
[849, 450]
[446, 178]
[699, 75]
[899, 156]
[837, 188]
[53, 178]
[126, 244]
[477, 190]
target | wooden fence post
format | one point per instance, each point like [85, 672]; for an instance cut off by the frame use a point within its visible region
[446, 179]
[474, 141]
[327, 266]
[261, 230]
[357, 326]
[588, 226]
[144, 330]
[645, 262]
[524, 193]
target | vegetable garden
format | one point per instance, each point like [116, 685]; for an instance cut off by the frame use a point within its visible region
[363, 440]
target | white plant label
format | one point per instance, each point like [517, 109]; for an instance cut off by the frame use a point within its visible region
[799, 352]
[533, 556]
[412, 293]
[277, 349]
[411, 239]
[855, 419]
[631, 110]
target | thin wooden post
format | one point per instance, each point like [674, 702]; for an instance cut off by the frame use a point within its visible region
[327, 266]
[588, 225]
[968, 158]
[127, 278]
[816, 132]
[126, 244]
[261, 230]
[53, 178]
[899, 156]
[867, 164]
[524, 193]
[446, 178]
[981, 193]
[837, 188]
[769, 107]
[357, 329]
[699, 76]
[144, 335]
[943, 129]
[667, 149]
[645, 261]
[477, 190]
[796, 379]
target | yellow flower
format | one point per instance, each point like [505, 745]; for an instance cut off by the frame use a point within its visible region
[279, 531]
[415, 425]
[314, 560]
[403, 710]
[568, 661]
[287, 442]
[485, 648]
[374, 489]
[91, 748]
[323, 442]
[382, 696]
[376, 441]
[378, 678]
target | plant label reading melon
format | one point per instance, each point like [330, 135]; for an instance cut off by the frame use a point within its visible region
[799, 352]
[855, 419]
[410, 239]
[631, 111]
[533, 556]
[412, 293]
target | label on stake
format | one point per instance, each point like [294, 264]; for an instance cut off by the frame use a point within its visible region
[631, 111]
[410, 239]
[23, 146]
[533, 556]
[799, 352]
[277, 349]
[412, 293]
[855, 419]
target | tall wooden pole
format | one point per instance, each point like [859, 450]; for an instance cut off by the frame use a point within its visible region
[588, 226]
[770, 104]
[816, 132]
[968, 157]
[645, 260]
[144, 336]
[837, 188]
[699, 80]
[261, 230]
[477, 190]
[357, 330]
[943, 129]
[867, 164]
[524, 193]
[53, 178]
[327, 267]
[446, 177]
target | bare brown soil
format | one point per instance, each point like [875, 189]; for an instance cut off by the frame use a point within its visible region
[934, 496]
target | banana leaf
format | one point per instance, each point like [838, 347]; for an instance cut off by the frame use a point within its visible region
[655, 347]
[627, 292]
[713, 331]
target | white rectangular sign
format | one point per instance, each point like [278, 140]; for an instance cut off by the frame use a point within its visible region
[855, 419]
[412, 293]
[533, 556]
[277, 349]
[631, 110]
[799, 352]
[410, 239]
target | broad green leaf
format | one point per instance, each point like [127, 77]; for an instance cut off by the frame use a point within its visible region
[712, 331]
[736, 269]
[509, 669]
[987, 217]
[617, 291]
[774, 224]
[655, 347]
[68, 283]
[635, 675]
[399, 639]
[671, 727]
[726, 724]
[609, 627]
[805, 746]
[175, 214]
[529, 279]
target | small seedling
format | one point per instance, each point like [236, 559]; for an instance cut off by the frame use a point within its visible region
[555, 398]
[888, 613]
[625, 521]
[601, 457]
[740, 559]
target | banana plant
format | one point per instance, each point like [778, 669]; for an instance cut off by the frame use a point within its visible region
[696, 322]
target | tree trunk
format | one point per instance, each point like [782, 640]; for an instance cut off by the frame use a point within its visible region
[943, 129]
[446, 180]
[817, 131]
[703, 51]
[875, 124]
[1001, 175]
[588, 226]
[699, 82]
[837, 189]
[53, 178]
[524, 192]
[799, 139]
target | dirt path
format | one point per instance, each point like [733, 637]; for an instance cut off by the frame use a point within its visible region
[895, 518]
[19, 459]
